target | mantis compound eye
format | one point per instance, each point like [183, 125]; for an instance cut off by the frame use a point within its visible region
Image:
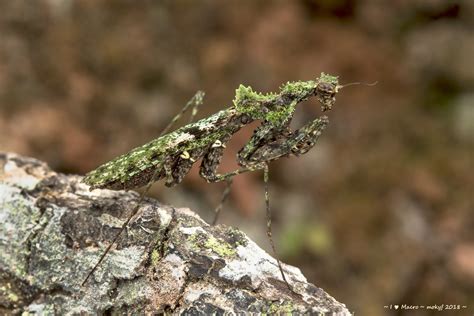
[326, 94]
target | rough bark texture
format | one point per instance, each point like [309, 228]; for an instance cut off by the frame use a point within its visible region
[53, 229]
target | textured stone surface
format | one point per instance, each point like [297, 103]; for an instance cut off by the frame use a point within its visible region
[53, 229]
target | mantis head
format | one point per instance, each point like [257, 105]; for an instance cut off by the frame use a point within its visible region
[327, 87]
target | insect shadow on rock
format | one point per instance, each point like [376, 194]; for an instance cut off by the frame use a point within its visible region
[171, 155]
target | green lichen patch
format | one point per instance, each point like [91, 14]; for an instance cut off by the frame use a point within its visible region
[202, 241]
[221, 248]
[155, 257]
[281, 308]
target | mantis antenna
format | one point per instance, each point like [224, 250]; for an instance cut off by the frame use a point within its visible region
[356, 83]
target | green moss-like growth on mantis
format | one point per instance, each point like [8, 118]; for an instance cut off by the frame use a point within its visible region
[250, 102]
[133, 169]
[253, 103]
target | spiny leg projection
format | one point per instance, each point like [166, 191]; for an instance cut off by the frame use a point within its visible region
[194, 102]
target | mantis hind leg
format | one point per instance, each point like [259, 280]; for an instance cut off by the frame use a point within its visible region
[269, 224]
[195, 102]
[224, 197]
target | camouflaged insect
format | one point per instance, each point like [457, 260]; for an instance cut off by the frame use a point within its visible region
[175, 153]
[171, 156]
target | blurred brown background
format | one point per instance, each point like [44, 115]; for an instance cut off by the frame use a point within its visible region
[379, 212]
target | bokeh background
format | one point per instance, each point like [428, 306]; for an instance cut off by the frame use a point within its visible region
[380, 212]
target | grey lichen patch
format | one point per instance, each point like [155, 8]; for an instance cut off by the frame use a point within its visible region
[18, 216]
[135, 292]
[39, 309]
[50, 252]
[195, 291]
[124, 262]
[207, 299]
[109, 220]
[254, 263]
[12, 171]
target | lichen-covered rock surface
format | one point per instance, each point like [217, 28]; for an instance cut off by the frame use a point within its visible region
[53, 230]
